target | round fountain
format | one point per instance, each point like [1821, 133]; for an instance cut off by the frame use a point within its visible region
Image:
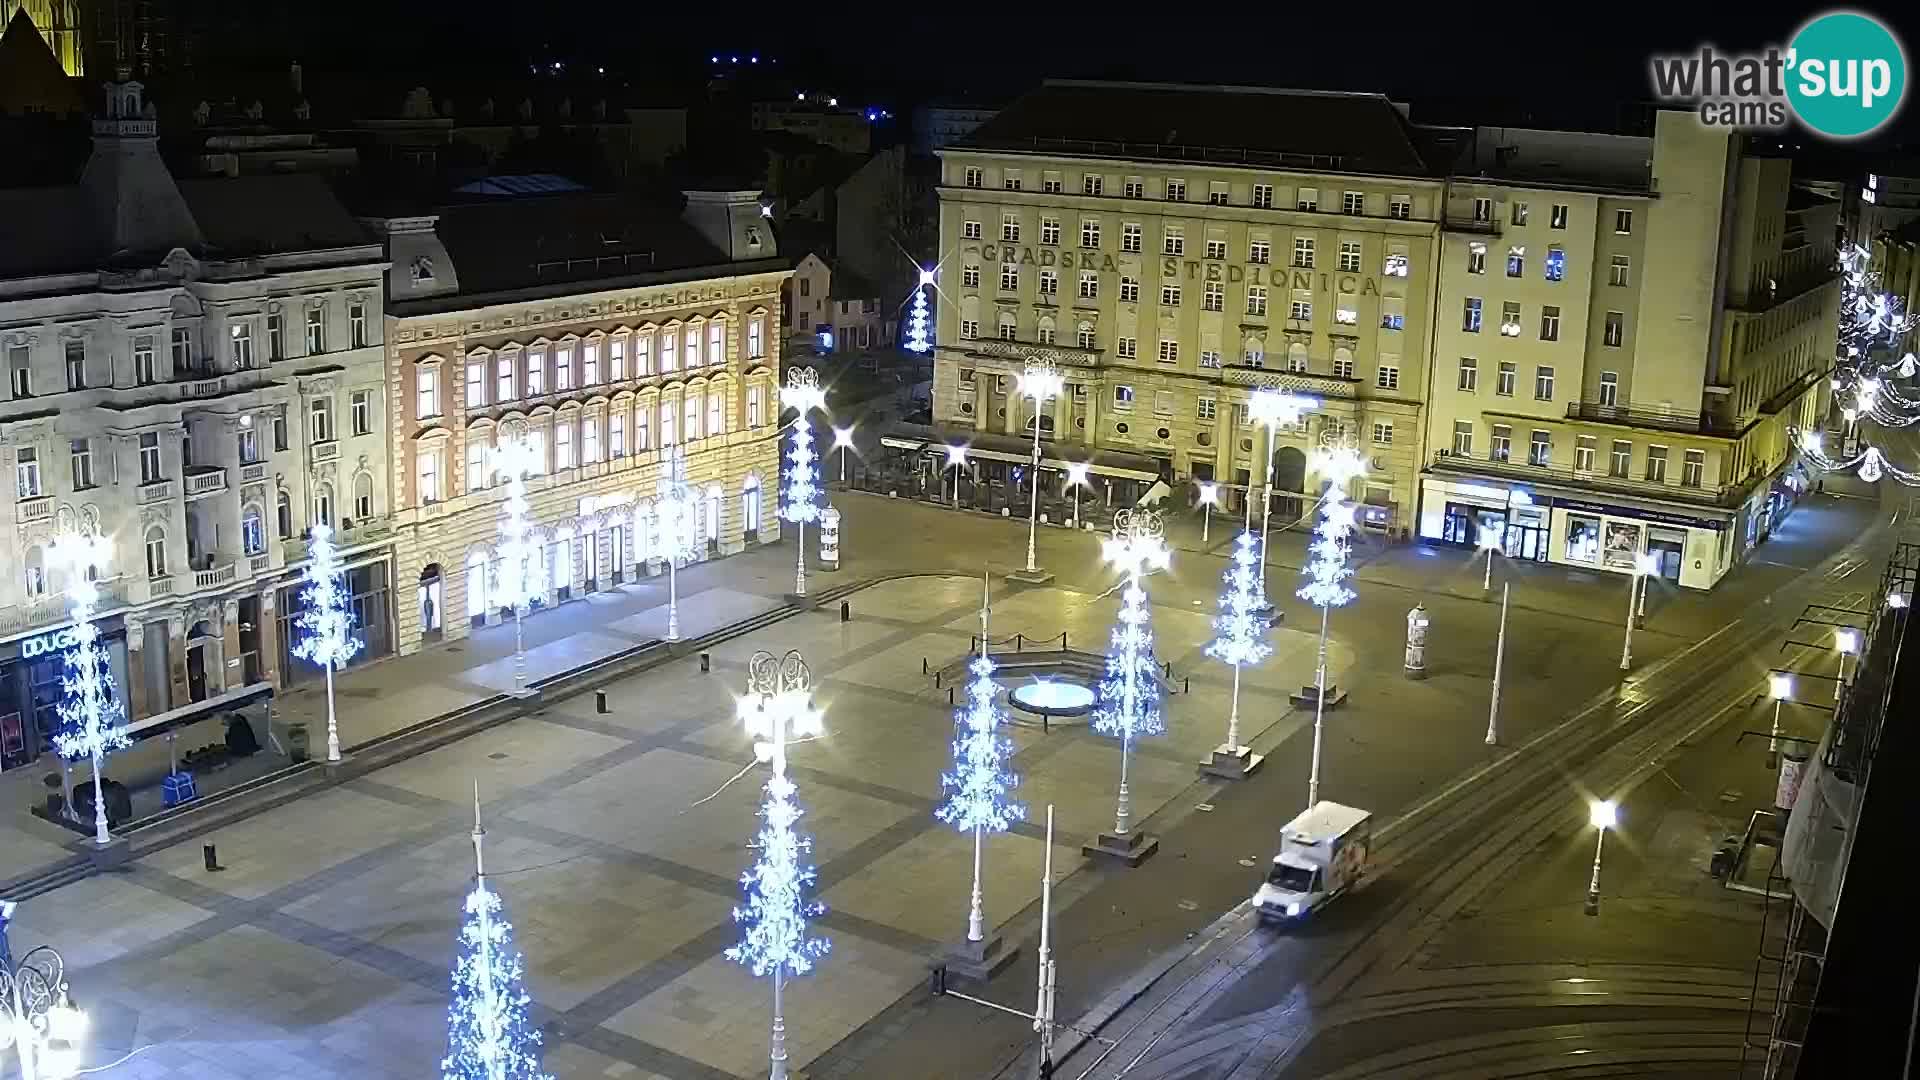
[1052, 698]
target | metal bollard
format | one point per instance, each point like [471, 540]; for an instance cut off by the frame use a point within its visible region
[1186, 685]
[846, 611]
[936, 680]
[923, 660]
[212, 859]
[949, 695]
[1169, 669]
[706, 662]
[600, 701]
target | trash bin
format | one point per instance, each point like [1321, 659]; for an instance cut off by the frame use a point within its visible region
[296, 743]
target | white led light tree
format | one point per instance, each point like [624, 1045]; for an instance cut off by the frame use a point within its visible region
[1240, 641]
[516, 457]
[980, 787]
[1273, 410]
[1327, 570]
[489, 1034]
[776, 940]
[1129, 693]
[93, 722]
[803, 394]
[676, 515]
[919, 322]
[326, 619]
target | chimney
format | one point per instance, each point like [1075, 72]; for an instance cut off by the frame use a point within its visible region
[733, 222]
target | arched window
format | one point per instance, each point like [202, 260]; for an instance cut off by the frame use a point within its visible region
[156, 552]
[560, 558]
[1009, 330]
[750, 503]
[253, 530]
[323, 504]
[283, 513]
[1297, 356]
[1043, 333]
[362, 496]
[36, 571]
[1254, 354]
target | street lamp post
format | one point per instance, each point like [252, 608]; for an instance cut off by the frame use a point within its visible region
[1499, 660]
[1603, 815]
[1490, 543]
[1209, 495]
[516, 456]
[1077, 479]
[39, 1021]
[1847, 640]
[802, 393]
[1138, 545]
[93, 721]
[675, 515]
[1780, 689]
[1339, 464]
[1643, 566]
[1040, 381]
[1272, 409]
[843, 441]
[956, 459]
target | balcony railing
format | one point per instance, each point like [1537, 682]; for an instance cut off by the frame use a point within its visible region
[204, 480]
[1721, 495]
[160, 586]
[216, 577]
[260, 564]
[1300, 382]
[253, 473]
[295, 549]
[157, 491]
[325, 451]
[1643, 416]
[36, 509]
[1020, 352]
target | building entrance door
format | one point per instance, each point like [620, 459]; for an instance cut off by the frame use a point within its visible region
[1669, 548]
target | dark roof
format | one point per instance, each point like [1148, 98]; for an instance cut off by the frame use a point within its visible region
[269, 215]
[847, 285]
[521, 242]
[49, 231]
[1229, 125]
[30, 75]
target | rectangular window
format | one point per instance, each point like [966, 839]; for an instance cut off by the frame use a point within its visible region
[1616, 330]
[1049, 283]
[1085, 337]
[76, 356]
[562, 444]
[1463, 438]
[1008, 331]
[1501, 448]
[20, 371]
[1510, 318]
[1263, 196]
[1089, 233]
[1470, 318]
[1260, 251]
[693, 357]
[1216, 249]
[280, 440]
[1300, 310]
[1353, 202]
[1009, 277]
[1210, 358]
[1163, 403]
[969, 328]
[1010, 228]
[1550, 323]
[1130, 237]
[1173, 241]
[617, 433]
[1176, 191]
[1125, 347]
[1693, 468]
[504, 383]
[1217, 194]
[1476, 258]
[426, 396]
[357, 325]
[1342, 368]
[1609, 388]
[1256, 300]
[476, 464]
[182, 348]
[429, 476]
[1387, 377]
[1469, 375]
[1559, 220]
[360, 409]
[969, 230]
[1344, 312]
[27, 472]
[1089, 284]
[82, 455]
[240, 344]
[1010, 179]
[1583, 538]
[590, 363]
[1123, 396]
[536, 372]
[642, 417]
[1214, 298]
[1519, 213]
[1129, 290]
[276, 336]
[1656, 464]
[1205, 408]
[1583, 448]
[1050, 231]
[1622, 458]
[1307, 199]
[316, 331]
[1050, 184]
[1620, 270]
[1483, 210]
[589, 439]
[643, 354]
[144, 371]
[1516, 261]
[1543, 384]
[1091, 184]
[150, 458]
[320, 420]
[1383, 433]
[756, 337]
[1540, 450]
[1135, 188]
[972, 179]
[1303, 252]
[1556, 264]
[669, 351]
[1169, 351]
[1045, 333]
[1400, 206]
[476, 384]
[1508, 376]
[969, 277]
[1623, 222]
[1349, 256]
[1170, 295]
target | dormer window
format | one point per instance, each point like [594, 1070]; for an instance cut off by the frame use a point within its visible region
[753, 236]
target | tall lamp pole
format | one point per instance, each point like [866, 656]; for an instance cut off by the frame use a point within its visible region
[843, 441]
[1780, 689]
[1138, 545]
[1603, 815]
[516, 457]
[1489, 542]
[1338, 463]
[1272, 409]
[1644, 564]
[676, 518]
[1499, 660]
[1847, 641]
[1077, 479]
[1209, 496]
[956, 460]
[1040, 381]
[802, 393]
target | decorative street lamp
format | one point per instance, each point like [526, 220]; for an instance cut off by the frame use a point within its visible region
[1602, 815]
[92, 718]
[1040, 381]
[1129, 691]
[1490, 543]
[1644, 565]
[1077, 479]
[326, 619]
[1847, 640]
[37, 1018]
[516, 457]
[778, 705]
[1780, 689]
[1209, 497]
[1239, 641]
[956, 458]
[843, 441]
[676, 515]
[1272, 409]
[802, 394]
[1339, 463]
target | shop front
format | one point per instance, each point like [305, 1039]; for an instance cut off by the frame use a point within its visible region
[372, 606]
[31, 672]
[1461, 513]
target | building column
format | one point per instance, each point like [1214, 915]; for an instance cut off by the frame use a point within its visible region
[135, 692]
[230, 677]
[269, 638]
[1063, 414]
[177, 656]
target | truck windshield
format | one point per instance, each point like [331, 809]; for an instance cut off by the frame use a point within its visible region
[1291, 878]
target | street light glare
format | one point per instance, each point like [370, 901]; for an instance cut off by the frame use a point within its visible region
[1847, 640]
[1603, 814]
[1489, 538]
[1896, 600]
[1077, 472]
[843, 436]
[956, 455]
[1644, 563]
[1780, 686]
[1209, 493]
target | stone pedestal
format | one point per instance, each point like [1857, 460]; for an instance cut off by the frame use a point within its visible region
[977, 961]
[1232, 762]
[1030, 577]
[337, 770]
[1308, 697]
[116, 853]
[1132, 848]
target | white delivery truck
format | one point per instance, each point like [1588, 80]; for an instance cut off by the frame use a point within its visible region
[1322, 853]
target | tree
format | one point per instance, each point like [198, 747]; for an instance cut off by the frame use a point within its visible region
[919, 332]
[326, 619]
[980, 785]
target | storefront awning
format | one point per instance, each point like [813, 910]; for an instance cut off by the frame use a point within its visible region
[199, 710]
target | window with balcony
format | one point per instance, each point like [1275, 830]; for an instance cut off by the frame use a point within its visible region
[247, 446]
[1501, 449]
[1505, 380]
[1693, 468]
[240, 344]
[320, 420]
[360, 408]
[1483, 211]
[26, 472]
[76, 356]
[1469, 380]
[316, 331]
[1620, 462]
[1091, 184]
[145, 372]
[1303, 252]
[1656, 464]
[156, 547]
[1463, 438]
[1543, 383]
[1583, 450]
[20, 371]
[1609, 388]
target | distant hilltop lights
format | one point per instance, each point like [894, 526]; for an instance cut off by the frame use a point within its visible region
[728, 60]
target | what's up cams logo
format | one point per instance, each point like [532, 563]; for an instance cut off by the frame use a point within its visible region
[1844, 76]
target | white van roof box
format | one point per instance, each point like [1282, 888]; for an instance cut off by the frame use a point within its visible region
[1325, 820]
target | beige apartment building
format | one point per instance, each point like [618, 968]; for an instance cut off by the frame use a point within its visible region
[194, 373]
[612, 333]
[1173, 248]
[1625, 330]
